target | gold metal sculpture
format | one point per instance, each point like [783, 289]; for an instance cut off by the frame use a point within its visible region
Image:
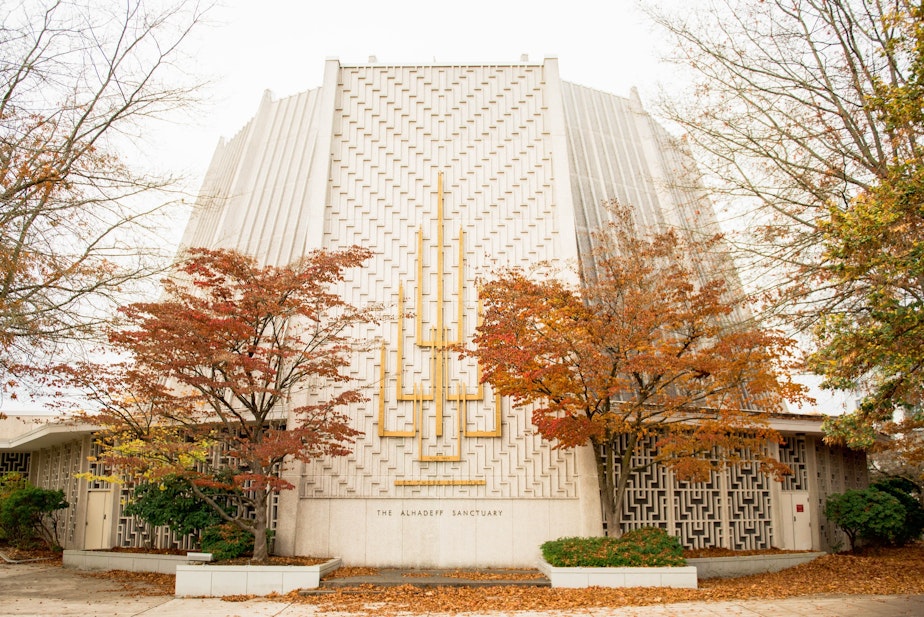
[435, 398]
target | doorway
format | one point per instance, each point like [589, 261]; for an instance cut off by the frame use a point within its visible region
[99, 505]
[796, 520]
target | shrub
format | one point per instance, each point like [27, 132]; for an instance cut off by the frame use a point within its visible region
[28, 513]
[869, 514]
[226, 541]
[646, 547]
[9, 483]
[12, 481]
[171, 502]
[904, 490]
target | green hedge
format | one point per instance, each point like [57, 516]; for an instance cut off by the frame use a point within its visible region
[646, 547]
[29, 513]
[867, 515]
[908, 493]
[226, 541]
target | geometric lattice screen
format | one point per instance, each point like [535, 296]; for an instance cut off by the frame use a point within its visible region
[836, 470]
[733, 509]
[749, 505]
[17, 462]
[794, 453]
[56, 468]
[730, 510]
[132, 532]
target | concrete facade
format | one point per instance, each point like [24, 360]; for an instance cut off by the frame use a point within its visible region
[445, 172]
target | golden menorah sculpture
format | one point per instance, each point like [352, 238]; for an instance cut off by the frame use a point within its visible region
[442, 392]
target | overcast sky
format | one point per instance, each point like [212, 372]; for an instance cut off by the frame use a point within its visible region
[281, 45]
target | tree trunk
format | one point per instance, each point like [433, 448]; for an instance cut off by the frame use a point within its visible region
[603, 455]
[622, 481]
[613, 481]
[260, 549]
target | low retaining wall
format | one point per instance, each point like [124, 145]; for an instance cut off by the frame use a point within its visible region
[133, 562]
[730, 567]
[216, 581]
[682, 577]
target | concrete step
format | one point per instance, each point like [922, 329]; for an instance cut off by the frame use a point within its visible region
[396, 577]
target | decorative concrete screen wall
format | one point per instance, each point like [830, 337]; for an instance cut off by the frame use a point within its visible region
[57, 468]
[17, 462]
[837, 470]
[734, 509]
[733, 506]
[132, 532]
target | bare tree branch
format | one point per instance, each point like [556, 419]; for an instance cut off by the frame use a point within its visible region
[75, 221]
[779, 120]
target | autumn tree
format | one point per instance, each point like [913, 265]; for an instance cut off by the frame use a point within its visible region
[643, 348]
[238, 369]
[777, 115]
[875, 343]
[77, 83]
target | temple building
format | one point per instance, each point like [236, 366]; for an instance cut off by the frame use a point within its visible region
[448, 172]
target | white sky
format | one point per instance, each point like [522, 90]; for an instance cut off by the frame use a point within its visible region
[281, 45]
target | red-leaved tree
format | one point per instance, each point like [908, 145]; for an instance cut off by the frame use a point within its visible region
[644, 348]
[238, 369]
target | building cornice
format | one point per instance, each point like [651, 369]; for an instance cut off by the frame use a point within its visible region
[47, 435]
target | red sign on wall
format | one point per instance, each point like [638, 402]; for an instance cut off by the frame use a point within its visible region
[800, 507]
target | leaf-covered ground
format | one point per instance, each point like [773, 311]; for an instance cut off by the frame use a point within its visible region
[892, 571]
[36, 553]
[137, 583]
[886, 571]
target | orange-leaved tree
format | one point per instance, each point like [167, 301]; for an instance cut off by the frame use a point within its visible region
[237, 369]
[645, 348]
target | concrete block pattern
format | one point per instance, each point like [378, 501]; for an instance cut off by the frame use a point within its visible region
[394, 130]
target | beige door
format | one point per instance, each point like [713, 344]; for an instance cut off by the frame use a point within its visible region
[99, 506]
[796, 518]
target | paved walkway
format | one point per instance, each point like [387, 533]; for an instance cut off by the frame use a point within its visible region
[50, 591]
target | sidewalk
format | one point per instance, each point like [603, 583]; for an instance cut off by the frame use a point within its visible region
[50, 591]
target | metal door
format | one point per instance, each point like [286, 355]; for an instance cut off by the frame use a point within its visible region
[796, 518]
[99, 504]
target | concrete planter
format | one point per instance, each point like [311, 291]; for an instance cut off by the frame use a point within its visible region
[133, 562]
[730, 567]
[683, 577]
[215, 581]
